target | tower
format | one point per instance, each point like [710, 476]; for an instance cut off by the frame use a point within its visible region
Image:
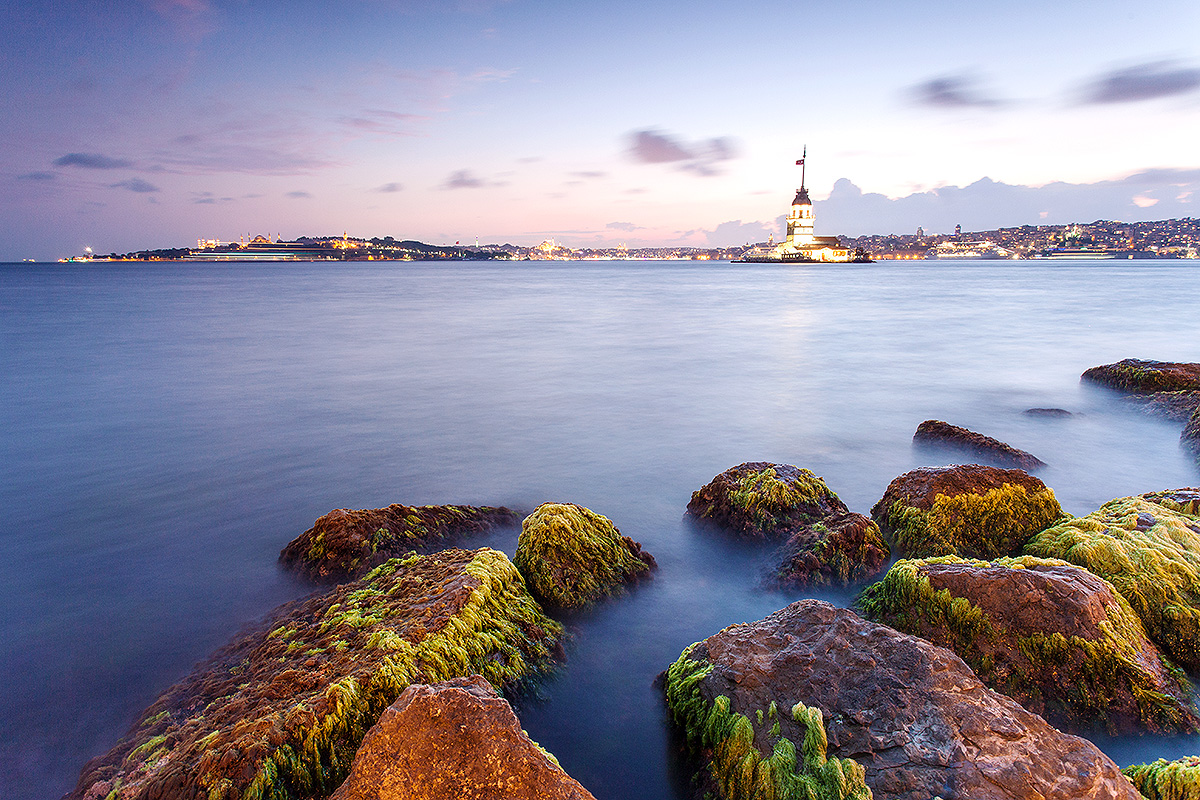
[800, 221]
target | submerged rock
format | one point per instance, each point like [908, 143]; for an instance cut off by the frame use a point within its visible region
[913, 715]
[1167, 780]
[1190, 438]
[966, 510]
[759, 499]
[280, 712]
[1051, 635]
[1137, 375]
[1148, 548]
[1048, 412]
[345, 544]
[942, 434]
[841, 550]
[455, 740]
[571, 556]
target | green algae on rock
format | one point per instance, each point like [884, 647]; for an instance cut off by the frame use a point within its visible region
[345, 544]
[1138, 375]
[572, 557]
[280, 712]
[759, 499]
[1050, 635]
[967, 510]
[1167, 780]
[729, 744]
[840, 550]
[1148, 548]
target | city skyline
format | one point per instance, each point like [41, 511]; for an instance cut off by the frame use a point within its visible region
[153, 122]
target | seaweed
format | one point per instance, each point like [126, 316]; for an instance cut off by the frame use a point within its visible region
[725, 741]
[1167, 780]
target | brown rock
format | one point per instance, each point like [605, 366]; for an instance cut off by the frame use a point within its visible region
[841, 550]
[1051, 635]
[943, 434]
[1141, 376]
[456, 740]
[759, 499]
[914, 715]
[1190, 438]
[344, 544]
[966, 510]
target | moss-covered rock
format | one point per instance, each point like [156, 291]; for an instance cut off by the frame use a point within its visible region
[1167, 780]
[841, 550]
[1148, 548]
[939, 434]
[967, 510]
[1051, 635]
[1142, 376]
[913, 715]
[280, 712]
[759, 499]
[572, 557]
[732, 748]
[344, 544]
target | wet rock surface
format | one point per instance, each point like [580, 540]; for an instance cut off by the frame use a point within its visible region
[1143, 376]
[344, 544]
[1050, 635]
[572, 557]
[1148, 547]
[939, 434]
[759, 499]
[1048, 412]
[968, 510]
[1190, 438]
[841, 550]
[455, 740]
[912, 714]
[281, 711]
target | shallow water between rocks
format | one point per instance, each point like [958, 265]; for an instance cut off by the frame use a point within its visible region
[165, 429]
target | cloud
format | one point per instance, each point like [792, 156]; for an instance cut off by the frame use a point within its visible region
[590, 174]
[135, 185]
[193, 19]
[653, 147]
[628, 227]
[463, 179]
[298, 195]
[735, 232]
[91, 161]
[987, 204]
[36, 176]
[951, 91]
[1142, 82]
[391, 123]
[388, 188]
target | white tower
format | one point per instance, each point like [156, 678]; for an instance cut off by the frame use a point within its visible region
[800, 218]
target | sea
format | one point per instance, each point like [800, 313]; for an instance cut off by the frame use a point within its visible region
[166, 428]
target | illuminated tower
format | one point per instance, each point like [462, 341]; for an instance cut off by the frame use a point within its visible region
[800, 217]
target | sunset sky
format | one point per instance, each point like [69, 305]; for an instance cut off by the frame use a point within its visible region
[152, 123]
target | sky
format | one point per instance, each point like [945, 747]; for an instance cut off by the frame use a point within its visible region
[136, 124]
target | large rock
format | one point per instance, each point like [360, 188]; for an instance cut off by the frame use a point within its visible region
[1167, 780]
[759, 499]
[1052, 636]
[280, 712]
[936, 433]
[455, 740]
[1139, 376]
[967, 510]
[572, 557]
[842, 550]
[345, 544]
[1148, 548]
[912, 714]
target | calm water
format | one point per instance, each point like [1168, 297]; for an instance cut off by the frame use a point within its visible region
[167, 428]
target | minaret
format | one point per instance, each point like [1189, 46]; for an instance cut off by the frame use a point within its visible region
[800, 217]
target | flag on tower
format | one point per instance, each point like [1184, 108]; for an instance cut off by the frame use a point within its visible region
[800, 163]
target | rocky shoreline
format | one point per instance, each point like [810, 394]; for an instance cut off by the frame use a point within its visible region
[964, 671]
